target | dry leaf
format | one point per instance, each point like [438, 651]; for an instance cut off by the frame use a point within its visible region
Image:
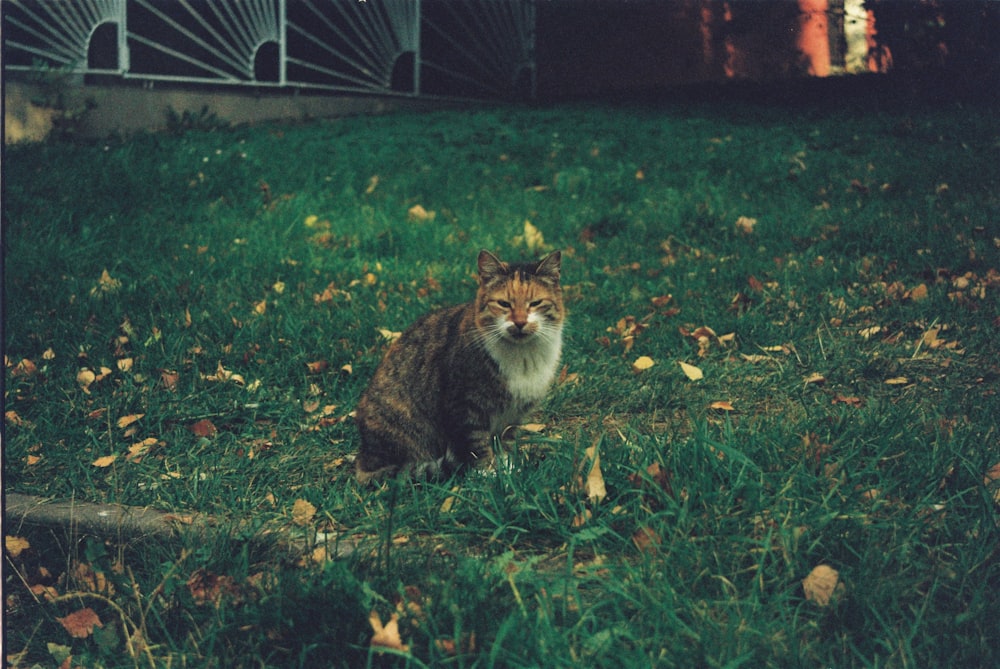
[84, 378]
[417, 214]
[203, 428]
[389, 335]
[722, 405]
[917, 293]
[595, 488]
[646, 540]
[821, 584]
[532, 238]
[260, 307]
[80, 624]
[137, 450]
[897, 381]
[745, 224]
[105, 284]
[816, 378]
[317, 367]
[125, 421]
[642, 363]
[15, 545]
[105, 461]
[49, 354]
[25, 368]
[387, 636]
[302, 512]
[169, 379]
[690, 371]
[534, 428]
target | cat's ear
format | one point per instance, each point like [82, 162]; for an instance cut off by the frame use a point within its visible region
[490, 267]
[549, 266]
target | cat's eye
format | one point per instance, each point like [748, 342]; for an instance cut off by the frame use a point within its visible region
[504, 304]
[534, 304]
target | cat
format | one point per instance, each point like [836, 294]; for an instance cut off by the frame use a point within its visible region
[459, 376]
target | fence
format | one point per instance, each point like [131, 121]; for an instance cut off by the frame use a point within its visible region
[474, 48]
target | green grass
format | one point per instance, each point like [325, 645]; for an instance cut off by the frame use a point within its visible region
[224, 242]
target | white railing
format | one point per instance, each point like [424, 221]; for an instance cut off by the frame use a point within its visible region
[453, 48]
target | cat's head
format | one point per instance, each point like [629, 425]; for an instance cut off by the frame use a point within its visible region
[519, 303]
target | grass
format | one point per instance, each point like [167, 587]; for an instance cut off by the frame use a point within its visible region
[853, 333]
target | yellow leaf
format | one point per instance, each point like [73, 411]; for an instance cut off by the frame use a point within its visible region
[84, 378]
[49, 354]
[347, 369]
[745, 224]
[868, 333]
[15, 545]
[690, 371]
[105, 284]
[124, 364]
[139, 449]
[278, 287]
[105, 461]
[372, 184]
[302, 512]
[125, 421]
[642, 363]
[387, 636]
[260, 307]
[534, 428]
[417, 213]
[821, 584]
[595, 489]
[897, 381]
[389, 335]
[311, 220]
[722, 405]
[918, 293]
[532, 238]
[816, 378]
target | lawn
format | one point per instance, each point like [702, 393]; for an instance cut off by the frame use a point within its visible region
[774, 442]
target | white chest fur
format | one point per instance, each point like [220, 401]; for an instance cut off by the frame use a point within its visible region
[528, 368]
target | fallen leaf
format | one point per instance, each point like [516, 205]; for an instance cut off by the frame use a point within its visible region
[646, 540]
[690, 371]
[387, 636]
[15, 545]
[745, 224]
[821, 584]
[317, 367]
[125, 421]
[372, 184]
[26, 368]
[49, 354]
[595, 489]
[642, 363]
[532, 238]
[868, 333]
[124, 364]
[534, 428]
[203, 428]
[389, 335]
[169, 379]
[85, 378]
[815, 378]
[897, 381]
[104, 461]
[105, 284]
[417, 214]
[80, 624]
[137, 450]
[722, 405]
[917, 293]
[302, 512]
[260, 307]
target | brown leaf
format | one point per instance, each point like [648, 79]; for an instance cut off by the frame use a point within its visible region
[15, 545]
[26, 368]
[822, 583]
[722, 405]
[317, 366]
[302, 512]
[594, 487]
[386, 636]
[169, 379]
[203, 428]
[80, 624]
[208, 588]
[646, 540]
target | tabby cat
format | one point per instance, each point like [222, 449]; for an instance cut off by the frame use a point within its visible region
[460, 375]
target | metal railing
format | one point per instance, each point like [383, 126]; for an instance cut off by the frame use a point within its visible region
[452, 48]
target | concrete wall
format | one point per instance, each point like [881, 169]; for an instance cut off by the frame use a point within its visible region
[128, 109]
